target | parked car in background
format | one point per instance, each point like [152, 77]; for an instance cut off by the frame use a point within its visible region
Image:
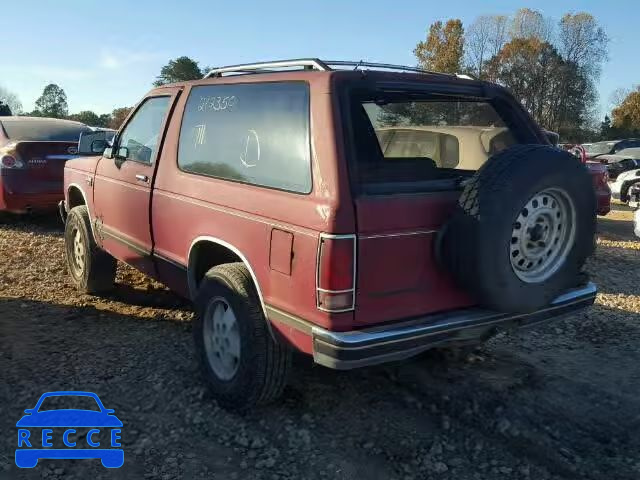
[633, 196]
[599, 176]
[624, 160]
[296, 214]
[33, 152]
[623, 182]
[596, 149]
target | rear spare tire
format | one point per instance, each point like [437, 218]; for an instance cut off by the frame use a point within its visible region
[524, 227]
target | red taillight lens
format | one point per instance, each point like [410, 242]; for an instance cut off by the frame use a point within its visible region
[336, 272]
[9, 161]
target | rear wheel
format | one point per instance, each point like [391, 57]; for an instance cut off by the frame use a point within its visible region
[92, 270]
[242, 363]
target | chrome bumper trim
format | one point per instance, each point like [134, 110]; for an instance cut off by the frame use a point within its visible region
[346, 350]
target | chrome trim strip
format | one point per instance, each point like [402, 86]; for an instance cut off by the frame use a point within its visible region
[398, 234]
[335, 291]
[472, 318]
[61, 157]
[281, 316]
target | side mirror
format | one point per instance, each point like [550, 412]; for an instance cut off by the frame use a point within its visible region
[122, 153]
[98, 146]
[90, 139]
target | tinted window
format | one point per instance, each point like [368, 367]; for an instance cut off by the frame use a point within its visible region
[253, 133]
[403, 144]
[43, 129]
[141, 135]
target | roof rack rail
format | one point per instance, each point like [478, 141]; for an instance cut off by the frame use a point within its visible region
[305, 63]
[314, 64]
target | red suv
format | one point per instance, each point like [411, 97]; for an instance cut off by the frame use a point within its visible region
[360, 216]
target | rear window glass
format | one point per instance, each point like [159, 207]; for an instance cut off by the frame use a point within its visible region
[251, 133]
[403, 144]
[43, 130]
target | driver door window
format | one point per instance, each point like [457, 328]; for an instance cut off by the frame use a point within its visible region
[140, 137]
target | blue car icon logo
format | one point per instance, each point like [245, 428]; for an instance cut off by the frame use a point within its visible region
[66, 426]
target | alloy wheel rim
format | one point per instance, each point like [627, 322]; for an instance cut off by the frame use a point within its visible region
[222, 338]
[542, 235]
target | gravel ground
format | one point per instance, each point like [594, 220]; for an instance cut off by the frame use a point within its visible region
[560, 401]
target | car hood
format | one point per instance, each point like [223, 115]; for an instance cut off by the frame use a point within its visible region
[86, 164]
[69, 418]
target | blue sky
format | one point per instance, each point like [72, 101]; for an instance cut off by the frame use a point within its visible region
[106, 54]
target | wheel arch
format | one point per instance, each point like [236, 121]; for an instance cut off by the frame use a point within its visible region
[206, 252]
[76, 196]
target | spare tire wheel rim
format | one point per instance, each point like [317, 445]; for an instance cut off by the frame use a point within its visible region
[542, 236]
[222, 338]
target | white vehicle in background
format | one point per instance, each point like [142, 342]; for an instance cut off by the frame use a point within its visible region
[620, 188]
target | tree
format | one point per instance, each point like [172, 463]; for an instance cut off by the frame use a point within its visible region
[583, 42]
[443, 49]
[118, 116]
[484, 38]
[178, 70]
[87, 117]
[5, 111]
[529, 24]
[52, 102]
[605, 128]
[11, 100]
[553, 90]
[627, 115]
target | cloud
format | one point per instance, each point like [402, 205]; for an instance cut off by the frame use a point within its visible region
[114, 59]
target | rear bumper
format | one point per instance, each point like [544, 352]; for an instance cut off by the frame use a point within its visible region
[347, 350]
[17, 201]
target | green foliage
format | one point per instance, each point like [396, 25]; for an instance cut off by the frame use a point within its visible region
[118, 116]
[88, 118]
[52, 103]
[179, 70]
[5, 111]
[443, 49]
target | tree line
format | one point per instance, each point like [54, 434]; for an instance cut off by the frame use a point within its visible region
[551, 67]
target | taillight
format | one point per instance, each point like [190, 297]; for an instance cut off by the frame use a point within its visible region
[9, 161]
[335, 283]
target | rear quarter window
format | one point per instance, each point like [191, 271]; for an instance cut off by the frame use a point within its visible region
[250, 133]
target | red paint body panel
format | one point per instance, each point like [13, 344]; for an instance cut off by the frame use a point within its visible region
[600, 178]
[397, 273]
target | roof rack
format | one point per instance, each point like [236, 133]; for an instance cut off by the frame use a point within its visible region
[313, 64]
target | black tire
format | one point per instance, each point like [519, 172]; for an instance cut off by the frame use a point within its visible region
[97, 272]
[263, 366]
[475, 246]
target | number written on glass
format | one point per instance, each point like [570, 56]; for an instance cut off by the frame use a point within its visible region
[215, 104]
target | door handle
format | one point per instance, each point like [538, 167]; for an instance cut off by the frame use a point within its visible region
[142, 178]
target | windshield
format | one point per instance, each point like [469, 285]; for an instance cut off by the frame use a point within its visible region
[43, 130]
[599, 148]
[66, 402]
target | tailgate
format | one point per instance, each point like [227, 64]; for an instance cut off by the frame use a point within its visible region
[398, 276]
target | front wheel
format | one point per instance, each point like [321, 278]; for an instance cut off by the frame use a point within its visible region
[242, 363]
[92, 270]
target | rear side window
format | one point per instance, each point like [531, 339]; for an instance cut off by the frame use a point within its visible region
[251, 133]
[408, 143]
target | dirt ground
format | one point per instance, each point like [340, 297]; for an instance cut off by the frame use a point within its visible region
[560, 401]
